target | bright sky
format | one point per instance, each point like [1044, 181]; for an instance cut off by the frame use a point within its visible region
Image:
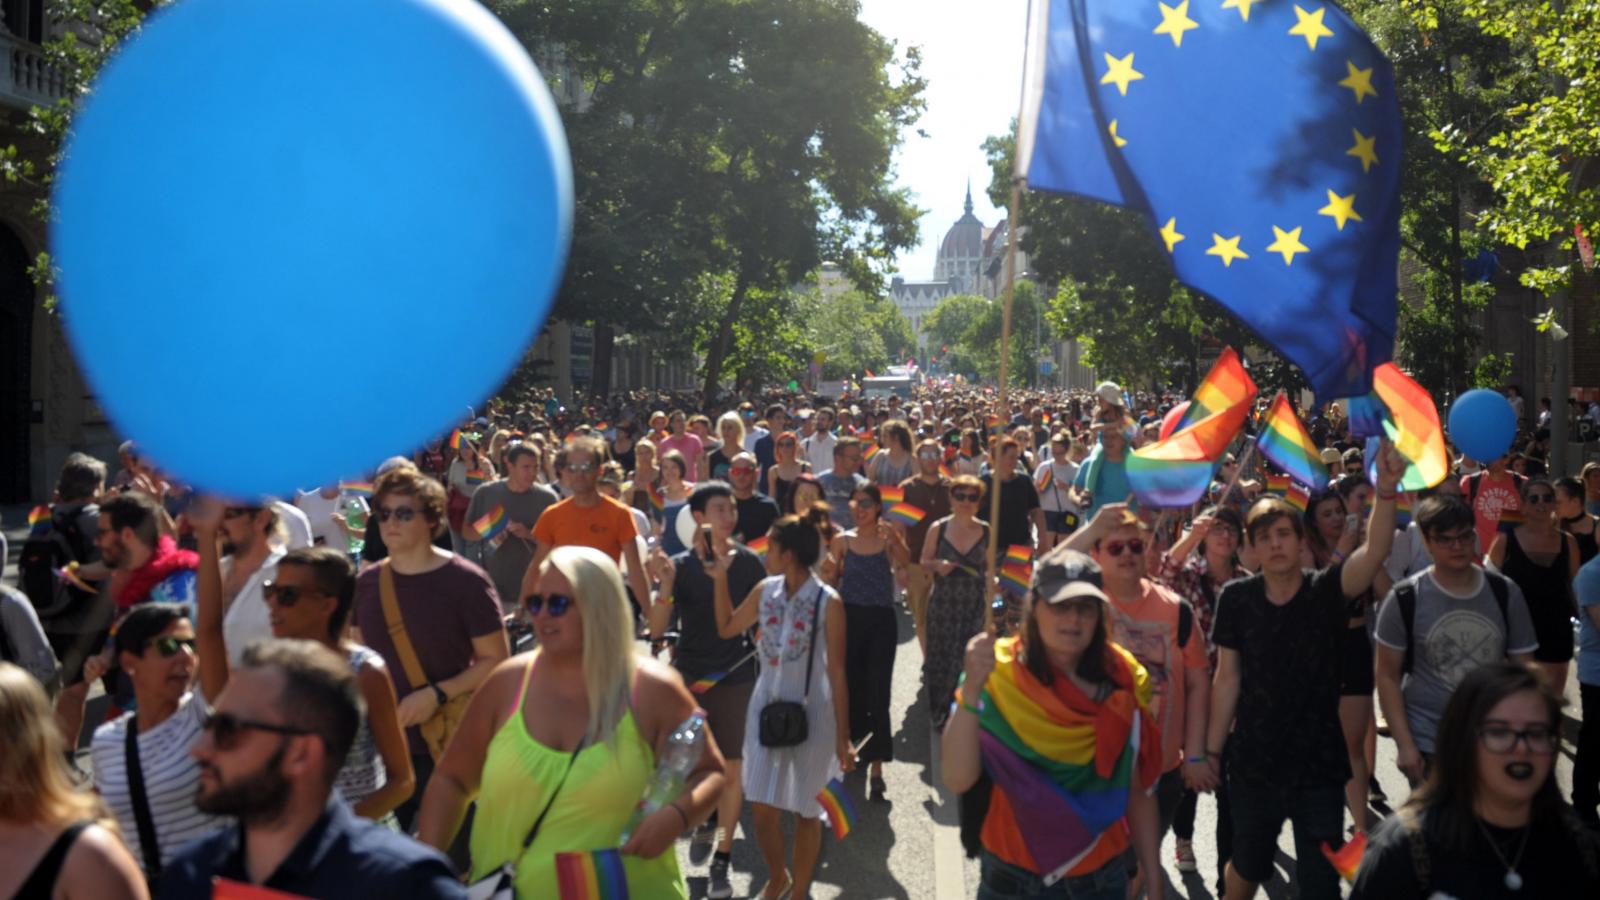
[972, 59]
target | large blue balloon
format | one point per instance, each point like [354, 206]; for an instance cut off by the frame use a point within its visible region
[298, 236]
[1483, 424]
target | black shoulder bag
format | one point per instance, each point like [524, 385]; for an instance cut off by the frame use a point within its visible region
[149, 847]
[783, 722]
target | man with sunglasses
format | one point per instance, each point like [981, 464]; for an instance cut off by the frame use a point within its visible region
[252, 553]
[757, 511]
[588, 518]
[507, 555]
[929, 491]
[268, 758]
[1438, 625]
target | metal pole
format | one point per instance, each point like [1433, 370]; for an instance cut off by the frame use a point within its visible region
[1012, 215]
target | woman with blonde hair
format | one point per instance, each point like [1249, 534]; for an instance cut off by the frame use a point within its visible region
[560, 743]
[55, 841]
[730, 428]
[645, 476]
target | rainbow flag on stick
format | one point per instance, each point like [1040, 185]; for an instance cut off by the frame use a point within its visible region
[1177, 471]
[1412, 424]
[1046, 478]
[39, 520]
[455, 439]
[1509, 519]
[657, 502]
[1018, 576]
[595, 875]
[709, 681]
[758, 546]
[1278, 484]
[946, 471]
[838, 809]
[476, 476]
[358, 488]
[869, 450]
[1298, 497]
[906, 514]
[1347, 859]
[491, 523]
[1226, 385]
[1283, 441]
[1019, 553]
[891, 494]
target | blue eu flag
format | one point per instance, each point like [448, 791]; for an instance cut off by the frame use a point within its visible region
[1261, 138]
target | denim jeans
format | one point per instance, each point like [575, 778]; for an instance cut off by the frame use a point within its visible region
[1003, 881]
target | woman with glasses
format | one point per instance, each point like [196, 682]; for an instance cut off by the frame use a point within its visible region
[1543, 561]
[55, 841]
[309, 598]
[560, 744]
[866, 557]
[956, 552]
[1574, 521]
[155, 647]
[783, 474]
[1489, 821]
[801, 650]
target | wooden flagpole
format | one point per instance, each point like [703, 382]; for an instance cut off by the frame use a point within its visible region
[1012, 216]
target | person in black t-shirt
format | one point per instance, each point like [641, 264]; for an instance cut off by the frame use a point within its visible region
[687, 596]
[1020, 512]
[1275, 701]
[756, 510]
[1489, 821]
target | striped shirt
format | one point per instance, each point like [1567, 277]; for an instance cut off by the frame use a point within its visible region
[363, 772]
[171, 778]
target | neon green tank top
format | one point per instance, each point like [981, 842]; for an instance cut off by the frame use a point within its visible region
[599, 795]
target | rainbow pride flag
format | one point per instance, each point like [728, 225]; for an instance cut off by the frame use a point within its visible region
[906, 514]
[1298, 497]
[1509, 519]
[476, 476]
[39, 520]
[1226, 385]
[1412, 424]
[455, 439]
[1046, 478]
[1347, 859]
[595, 875]
[657, 501]
[707, 682]
[837, 808]
[1278, 484]
[1016, 575]
[946, 471]
[1177, 471]
[891, 494]
[358, 488]
[1284, 442]
[491, 523]
[1019, 553]
[869, 450]
[1076, 768]
[758, 546]
[69, 574]
[1402, 509]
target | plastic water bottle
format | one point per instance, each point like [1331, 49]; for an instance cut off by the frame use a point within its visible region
[355, 515]
[684, 747]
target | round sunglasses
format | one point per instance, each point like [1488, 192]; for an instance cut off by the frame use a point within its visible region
[554, 605]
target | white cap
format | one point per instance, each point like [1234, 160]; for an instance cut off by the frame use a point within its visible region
[1110, 393]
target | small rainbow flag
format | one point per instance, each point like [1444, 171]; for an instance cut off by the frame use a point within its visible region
[709, 681]
[1347, 859]
[603, 426]
[1278, 484]
[1019, 553]
[1413, 425]
[657, 502]
[455, 439]
[595, 875]
[1017, 575]
[1046, 478]
[1284, 441]
[359, 488]
[869, 450]
[1402, 509]
[993, 424]
[39, 520]
[1297, 497]
[838, 809]
[758, 546]
[491, 523]
[945, 471]
[891, 494]
[906, 514]
[1225, 386]
[476, 476]
[1509, 519]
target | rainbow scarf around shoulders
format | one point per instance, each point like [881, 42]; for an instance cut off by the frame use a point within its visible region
[1068, 768]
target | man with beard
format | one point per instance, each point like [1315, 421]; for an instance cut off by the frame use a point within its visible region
[268, 757]
[250, 540]
[757, 512]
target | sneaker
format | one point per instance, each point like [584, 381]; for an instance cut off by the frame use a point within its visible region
[1185, 856]
[718, 887]
[702, 842]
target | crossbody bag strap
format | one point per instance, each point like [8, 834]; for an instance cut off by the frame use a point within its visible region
[811, 652]
[534, 831]
[397, 628]
[149, 848]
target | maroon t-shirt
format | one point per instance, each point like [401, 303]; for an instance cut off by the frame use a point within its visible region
[443, 611]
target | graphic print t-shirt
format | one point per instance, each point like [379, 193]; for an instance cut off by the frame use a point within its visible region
[1148, 628]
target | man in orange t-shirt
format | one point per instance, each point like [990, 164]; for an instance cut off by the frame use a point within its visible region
[588, 519]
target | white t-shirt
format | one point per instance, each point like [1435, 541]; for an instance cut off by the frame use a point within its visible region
[247, 620]
[818, 450]
[171, 778]
[320, 511]
[295, 524]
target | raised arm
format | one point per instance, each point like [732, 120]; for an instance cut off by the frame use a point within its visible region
[1363, 565]
[204, 516]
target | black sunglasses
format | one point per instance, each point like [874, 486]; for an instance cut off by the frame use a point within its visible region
[965, 496]
[1115, 548]
[285, 594]
[168, 646]
[400, 513]
[554, 605]
[226, 728]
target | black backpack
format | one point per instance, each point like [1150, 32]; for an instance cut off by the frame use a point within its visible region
[1405, 594]
[43, 555]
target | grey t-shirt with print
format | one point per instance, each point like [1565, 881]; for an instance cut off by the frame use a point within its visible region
[1451, 635]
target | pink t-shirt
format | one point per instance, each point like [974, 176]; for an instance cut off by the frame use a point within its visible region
[1148, 628]
[1496, 496]
[687, 444]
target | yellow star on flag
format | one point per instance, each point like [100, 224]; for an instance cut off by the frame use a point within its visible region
[1310, 25]
[1360, 81]
[1288, 243]
[1120, 72]
[1243, 6]
[1227, 249]
[1364, 150]
[1175, 21]
[1169, 233]
[1116, 139]
[1342, 209]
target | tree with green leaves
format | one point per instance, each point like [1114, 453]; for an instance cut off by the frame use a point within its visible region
[946, 327]
[856, 332]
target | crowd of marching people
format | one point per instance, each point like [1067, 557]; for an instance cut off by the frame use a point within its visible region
[542, 649]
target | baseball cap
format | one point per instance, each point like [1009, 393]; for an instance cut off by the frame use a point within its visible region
[1065, 574]
[1110, 393]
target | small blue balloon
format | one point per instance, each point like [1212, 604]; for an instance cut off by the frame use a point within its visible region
[1483, 424]
[298, 236]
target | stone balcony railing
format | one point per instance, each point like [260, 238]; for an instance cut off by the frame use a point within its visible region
[27, 79]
